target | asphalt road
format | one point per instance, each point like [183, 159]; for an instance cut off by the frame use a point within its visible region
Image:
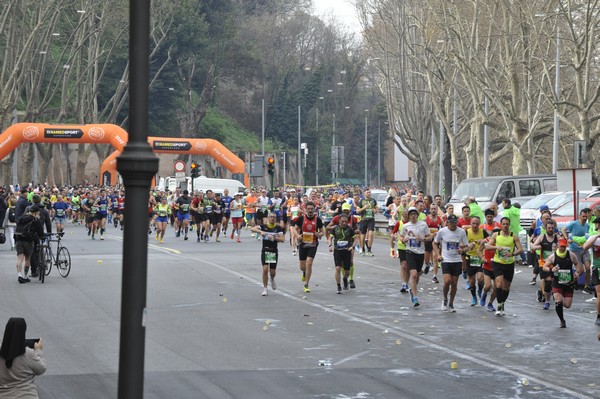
[210, 334]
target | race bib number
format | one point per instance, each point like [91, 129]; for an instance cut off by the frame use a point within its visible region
[475, 261]
[270, 257]
[505, 254]
[60, 213]
[368, 213]
[208, 209]
[565, 277]
[308, 238]
[452, 245]
[185, 207]
[342, 245]
[102, 207]
[414, 243]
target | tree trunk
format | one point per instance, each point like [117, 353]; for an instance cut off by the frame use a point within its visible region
[521, 164]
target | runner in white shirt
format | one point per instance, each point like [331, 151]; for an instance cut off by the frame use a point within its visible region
[413, 234]
[451, 242]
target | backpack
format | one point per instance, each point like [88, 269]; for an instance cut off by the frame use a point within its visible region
[26, 230]
[11, 215]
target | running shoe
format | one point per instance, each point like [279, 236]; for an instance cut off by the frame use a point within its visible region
[435, 280]
[426, 269]
[540, 296]
[264, 292]
[392, 253]
[451, 309]
[491, 308]
[345, 283]
[205, 238]
[369, 253]
[303, 278]
[483, 298]
[546, 305]
[238, 240]
[501, 308]
[217, 239]
[498, 312]
[352, 285]
[415, 302]
[273, 284]
[101, 237]
[294, 252]
[587, 290]
[306, 289]
[479, 292]
[231, 236]
[156, 238]
[467, 286]
[591, 300]
[473, 301]
[444, 305]
[161, 240]
[404, 288]
[210, 233]
[532, 282]
[597, 321]
[198, 239]
[412, 297]
[339, 289]
[563, 324]
[185, 237]
[178, 234]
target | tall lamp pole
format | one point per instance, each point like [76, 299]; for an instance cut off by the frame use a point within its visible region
[366, 149]
[299, 150]
[557, 94]
[137, 164]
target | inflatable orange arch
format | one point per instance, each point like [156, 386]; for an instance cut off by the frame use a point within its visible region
[162, 145]
[117, 137]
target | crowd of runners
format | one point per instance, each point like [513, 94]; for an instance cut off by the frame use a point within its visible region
[426, 235]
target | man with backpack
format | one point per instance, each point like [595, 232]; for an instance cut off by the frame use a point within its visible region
[27, 234]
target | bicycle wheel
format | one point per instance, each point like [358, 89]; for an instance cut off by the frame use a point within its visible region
[63, 261]
[48, 256]
[41, 263]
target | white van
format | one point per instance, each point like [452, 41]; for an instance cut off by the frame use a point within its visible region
[496, 188]
[202, 183]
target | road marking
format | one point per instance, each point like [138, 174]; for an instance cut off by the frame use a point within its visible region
[358, 355]
[153, 246]
[480, 359]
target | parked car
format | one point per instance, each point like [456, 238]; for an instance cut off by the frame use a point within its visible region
[380, 196]
[496, 188]
[566, 213]
[530, 210]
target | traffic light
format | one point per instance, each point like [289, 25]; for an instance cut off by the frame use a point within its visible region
[195, 170]
[271, 166]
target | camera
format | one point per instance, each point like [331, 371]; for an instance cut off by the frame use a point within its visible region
[31, 342]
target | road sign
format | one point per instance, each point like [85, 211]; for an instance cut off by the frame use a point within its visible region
[179, 166]
[179, 174]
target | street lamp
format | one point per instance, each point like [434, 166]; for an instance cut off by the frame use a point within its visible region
[366, 120]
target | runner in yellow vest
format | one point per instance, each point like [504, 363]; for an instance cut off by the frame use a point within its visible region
[507, 245]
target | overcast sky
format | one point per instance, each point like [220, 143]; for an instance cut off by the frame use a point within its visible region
[343, 10]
